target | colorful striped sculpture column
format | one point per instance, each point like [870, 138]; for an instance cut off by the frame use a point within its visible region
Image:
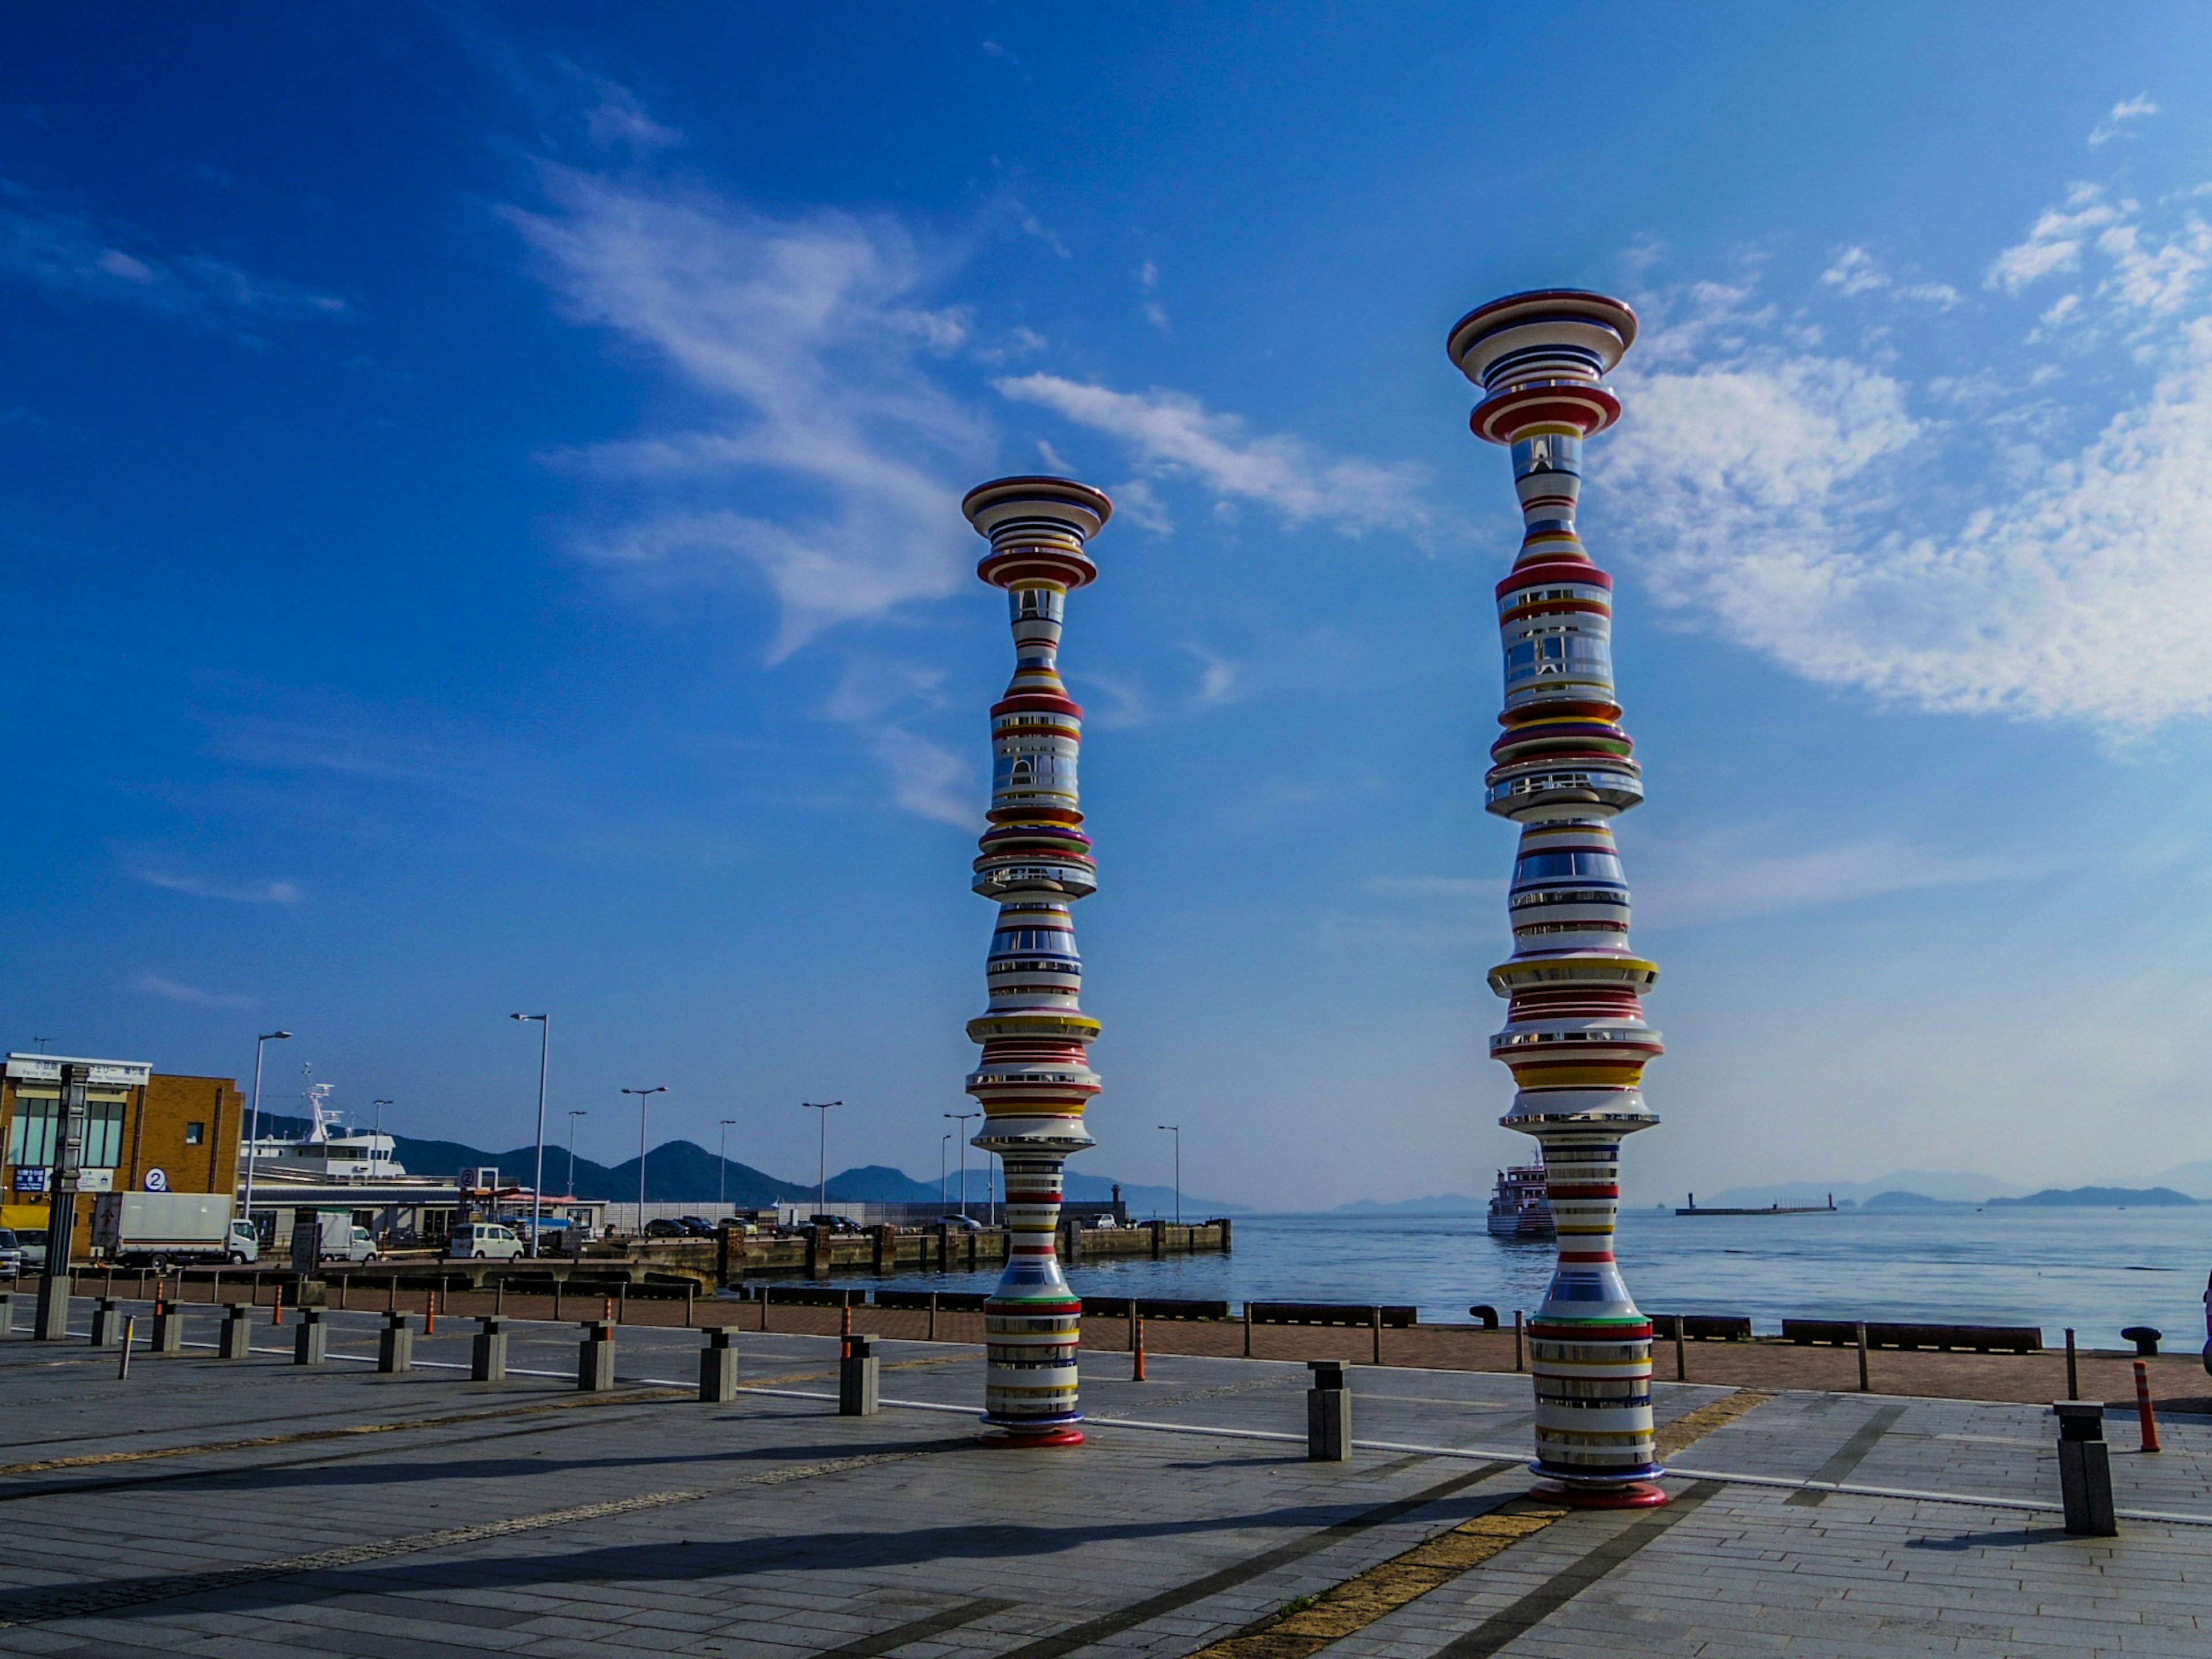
[1575, 1037]
[1034, 1077]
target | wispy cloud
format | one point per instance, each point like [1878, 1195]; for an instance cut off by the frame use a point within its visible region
[155, 985]
[2116, 124]
[1854, 271]
[1172, 433]
[1732, 876]
[72, 254]
[1974, 559]
[809, 332]
[248, 892]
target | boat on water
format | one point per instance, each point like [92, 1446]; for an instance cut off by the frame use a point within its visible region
[1521, 1208]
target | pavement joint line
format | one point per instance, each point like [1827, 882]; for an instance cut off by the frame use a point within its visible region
[917, 1630]
[1305, 1626]
[147, 1454]
[1517, 1618]
[46, 1606]
[1848, 1457]
[1241, 1572]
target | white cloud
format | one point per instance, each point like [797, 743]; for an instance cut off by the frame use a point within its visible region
[248, 892]
[1854, 271]
[73, 254]
[1219, 678]
[170, 990]
[2115, 124]
[1173, 433]
[807, 331]
[1986, 562]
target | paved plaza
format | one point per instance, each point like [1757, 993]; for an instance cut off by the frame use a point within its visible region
[254, 1507]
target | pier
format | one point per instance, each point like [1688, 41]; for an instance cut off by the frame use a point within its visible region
[362, 1508]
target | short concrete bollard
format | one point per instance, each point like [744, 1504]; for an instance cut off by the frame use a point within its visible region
[52, 1320]
[311, 1341]
[8, 1315]
[595, 1357]
[395, 1345]
[488, 1350]
[107, 1323]
[168, 1330]
[718, 1367]
[1328, 1414]
[857, 1379]
[236, 1341]
[2084, 1470]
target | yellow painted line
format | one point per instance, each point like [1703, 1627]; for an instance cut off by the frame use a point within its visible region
[1312, 1623]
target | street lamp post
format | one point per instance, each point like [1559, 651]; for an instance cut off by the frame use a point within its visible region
[376, 1129]
[1176, 1130]
[643, 1096]
[961, 1118]
[725, 1161]
[944, 1148]
[254, 1128]
[573, 1116]
[537, 1181]
[822, 1172]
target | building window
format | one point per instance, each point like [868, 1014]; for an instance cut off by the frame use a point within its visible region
[195, 1134]
[31, 1136]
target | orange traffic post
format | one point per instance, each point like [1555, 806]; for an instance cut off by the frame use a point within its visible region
[2144, 1415]
[1137, 1361]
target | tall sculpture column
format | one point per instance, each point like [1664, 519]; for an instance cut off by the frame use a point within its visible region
[1575, 1037]
[1035, 1076]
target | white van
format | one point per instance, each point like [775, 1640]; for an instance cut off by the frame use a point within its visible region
[486, 1240]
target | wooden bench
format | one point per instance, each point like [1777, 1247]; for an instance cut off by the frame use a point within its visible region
[1704, 1327]
[1358, 1314]
[1982, 1339]
[947, 1301]
[1151, 1307]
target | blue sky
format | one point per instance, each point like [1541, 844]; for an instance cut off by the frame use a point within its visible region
[478, 497]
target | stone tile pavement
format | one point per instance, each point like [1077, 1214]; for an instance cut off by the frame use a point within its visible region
[254, 1508]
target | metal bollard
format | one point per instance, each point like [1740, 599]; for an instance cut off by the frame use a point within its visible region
[2084, 1470]
[311, 1342]
[395, 1345]
[718, 1367]
[1328, 1414]
[2073, 1375]
[856, 1379]
[169, 1329]
[488, 1350]
[1865, 1385]
[236, 1341]
[107, 1323]
[595, 1357]
[1681, 1358]
[1519, 1362]
[123, 1360]
[1375, 1324]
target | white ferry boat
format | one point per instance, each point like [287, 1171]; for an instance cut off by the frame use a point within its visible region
[1519, 1208]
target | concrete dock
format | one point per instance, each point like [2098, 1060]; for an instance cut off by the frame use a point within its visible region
[253, 1507]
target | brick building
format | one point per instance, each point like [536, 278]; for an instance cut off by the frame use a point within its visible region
[145, 1131]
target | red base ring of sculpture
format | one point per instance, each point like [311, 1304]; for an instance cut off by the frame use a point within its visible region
[1635, 1495]
[1000, 1437]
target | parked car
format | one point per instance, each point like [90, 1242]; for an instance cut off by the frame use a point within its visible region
[11, 1256]
[32, 1241]
[961, 1221]
[666, 1226]
[836, 1224]
[697, 1225]
[244, 1242]
[485, 1240]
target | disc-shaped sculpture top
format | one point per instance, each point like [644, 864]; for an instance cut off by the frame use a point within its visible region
[1038, 528]
[1539, 357]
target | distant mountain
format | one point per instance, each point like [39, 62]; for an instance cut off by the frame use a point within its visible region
[1915, 1202]
[680, 1172]
[1950, 1186]
[1437, 1203]
[2195, 1179]
[2100, 1198]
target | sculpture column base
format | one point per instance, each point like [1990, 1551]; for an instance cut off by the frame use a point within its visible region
[1631, 1495]
[1016, 1438]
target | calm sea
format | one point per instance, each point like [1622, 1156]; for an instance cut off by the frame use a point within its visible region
[2096, 1270]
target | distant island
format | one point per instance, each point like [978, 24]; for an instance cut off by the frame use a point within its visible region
[1918, 1201]
[2100, 1198]
[1436, 1204]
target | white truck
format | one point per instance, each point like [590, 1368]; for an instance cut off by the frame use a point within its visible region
[320, 1236]
[159, 1230]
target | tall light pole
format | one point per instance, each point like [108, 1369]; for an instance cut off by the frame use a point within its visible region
[643, 1096]
[1176, 1130]
[376, 1128]
[944, 1148]
[573, 1116]
[253, 1128]
[537, 1181]
[724, 1161]
[961, 1118]
[822, 1174]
